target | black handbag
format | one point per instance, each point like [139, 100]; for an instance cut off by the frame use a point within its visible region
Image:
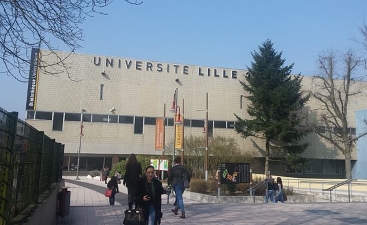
[134, 217]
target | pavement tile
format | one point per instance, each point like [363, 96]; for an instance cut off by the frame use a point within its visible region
[89, 206]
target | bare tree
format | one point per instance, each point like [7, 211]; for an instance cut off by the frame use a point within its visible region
[31, 24]
[334, 87]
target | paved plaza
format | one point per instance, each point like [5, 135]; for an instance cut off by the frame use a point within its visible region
[89, 206]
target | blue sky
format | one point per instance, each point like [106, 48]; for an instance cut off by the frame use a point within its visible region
[214, 33]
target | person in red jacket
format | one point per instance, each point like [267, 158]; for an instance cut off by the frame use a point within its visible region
[132, 175]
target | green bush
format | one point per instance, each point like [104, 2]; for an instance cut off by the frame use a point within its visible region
[119, 167]
[94, 173]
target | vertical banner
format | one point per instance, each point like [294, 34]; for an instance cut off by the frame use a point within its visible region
[159, 134]
[179, 136]
[33, 80]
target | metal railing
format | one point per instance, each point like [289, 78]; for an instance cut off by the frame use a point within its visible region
[339, 185]
[30, 165]
[254, 188]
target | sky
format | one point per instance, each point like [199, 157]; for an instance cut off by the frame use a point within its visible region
[213, 33]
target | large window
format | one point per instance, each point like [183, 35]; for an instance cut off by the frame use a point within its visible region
[220, 124]
[230, 125]
[314, 167]
[187, 122]
[149, 120]
[170, 122]
[57, 122]
[197, 123]
[100, 118]
[87, 117]
[333, 166]
[138, 125]
[72, 116]
[43, 115]
[113, 118]
[126, 119]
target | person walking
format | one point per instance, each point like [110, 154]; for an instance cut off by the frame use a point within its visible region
[280, 191]
[113, 185]
[269, 189]
[176, 180]
[148, 195]
[132, 175]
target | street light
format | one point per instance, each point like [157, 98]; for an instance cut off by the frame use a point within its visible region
[80, 143]
[206, 159]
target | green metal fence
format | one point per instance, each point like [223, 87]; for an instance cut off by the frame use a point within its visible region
[30, 167]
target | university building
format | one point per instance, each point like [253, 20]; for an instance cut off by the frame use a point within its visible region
[119, 99]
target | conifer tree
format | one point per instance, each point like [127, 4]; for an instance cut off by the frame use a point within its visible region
[275, 106]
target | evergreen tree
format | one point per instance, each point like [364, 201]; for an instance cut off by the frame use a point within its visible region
[276, 101]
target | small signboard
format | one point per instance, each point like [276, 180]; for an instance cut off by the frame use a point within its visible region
[159, 164]
[234, 173]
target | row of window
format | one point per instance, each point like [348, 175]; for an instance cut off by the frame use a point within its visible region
[320, 166]
[58, 119]
[337, 130]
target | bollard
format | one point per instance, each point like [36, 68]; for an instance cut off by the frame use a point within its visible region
[168, 192]
[64, 202]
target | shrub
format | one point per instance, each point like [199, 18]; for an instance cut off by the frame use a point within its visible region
[94, 173]
[119, 167]
[199, 186]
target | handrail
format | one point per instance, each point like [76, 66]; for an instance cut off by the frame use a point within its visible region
[254, 188]
[338, 185]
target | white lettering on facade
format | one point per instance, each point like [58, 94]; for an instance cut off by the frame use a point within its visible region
[160, 67]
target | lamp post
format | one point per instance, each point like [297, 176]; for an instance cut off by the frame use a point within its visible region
[206, 155]
[80, 143]
[174, 109]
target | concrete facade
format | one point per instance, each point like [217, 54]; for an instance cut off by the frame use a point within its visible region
[120, 92]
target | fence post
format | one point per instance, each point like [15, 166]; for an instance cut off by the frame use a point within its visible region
[349, 191]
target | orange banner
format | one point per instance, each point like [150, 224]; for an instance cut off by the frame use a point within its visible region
[159, 134]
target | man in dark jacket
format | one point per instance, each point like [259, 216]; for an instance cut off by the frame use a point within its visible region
[132, 175]
[176, 179]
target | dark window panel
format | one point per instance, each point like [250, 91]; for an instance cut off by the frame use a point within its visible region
[30, 115]
[170, 121]
[43, 115]
[138, 125]
[187, 122]
[230, 124]
[113, 119]
[126, 119]
[149, 120]
[100, 118]
[210, 128]
[87, 117]
[72, 116]
[197, 123]
[220, 124]
[57, 122]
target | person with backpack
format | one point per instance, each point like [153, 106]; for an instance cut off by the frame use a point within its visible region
[176, 179]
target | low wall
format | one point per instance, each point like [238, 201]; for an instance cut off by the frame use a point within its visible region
[47, 210]
[299, 197]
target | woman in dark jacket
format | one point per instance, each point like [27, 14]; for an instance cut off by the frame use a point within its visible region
[132, 175]
[148, 195]
[113, 185]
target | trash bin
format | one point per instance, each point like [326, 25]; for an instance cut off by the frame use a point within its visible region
[64, 202]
